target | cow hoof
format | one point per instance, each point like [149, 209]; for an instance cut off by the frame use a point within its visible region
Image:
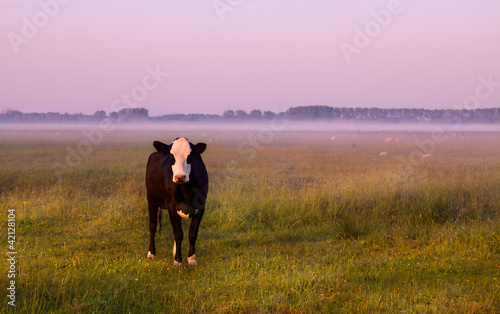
[177, 264]
[192, 260]
[150, 256]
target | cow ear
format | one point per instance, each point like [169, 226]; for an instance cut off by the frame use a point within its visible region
[200, 148]
[161, 147]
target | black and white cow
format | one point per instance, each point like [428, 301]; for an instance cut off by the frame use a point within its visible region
[177, 180]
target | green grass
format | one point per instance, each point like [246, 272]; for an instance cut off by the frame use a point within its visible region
[305, 226]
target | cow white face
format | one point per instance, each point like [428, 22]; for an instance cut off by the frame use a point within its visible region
[181, 168]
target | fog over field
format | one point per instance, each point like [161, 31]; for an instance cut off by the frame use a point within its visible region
[84, 139]
[274, 125]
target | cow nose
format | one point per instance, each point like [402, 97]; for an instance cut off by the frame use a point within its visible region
[181, 178]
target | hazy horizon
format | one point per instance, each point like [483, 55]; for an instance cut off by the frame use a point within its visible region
[274, 126]
[210, 56]
[221, 114]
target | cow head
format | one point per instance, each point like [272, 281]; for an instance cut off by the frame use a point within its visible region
[181, 152]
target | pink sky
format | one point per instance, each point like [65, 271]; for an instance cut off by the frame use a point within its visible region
[264, 54]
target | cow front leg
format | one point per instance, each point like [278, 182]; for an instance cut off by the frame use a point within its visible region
[193, 235]
[176, 222]
[153, 220]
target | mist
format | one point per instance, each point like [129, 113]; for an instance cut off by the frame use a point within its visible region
[261, 134]
[281, 125]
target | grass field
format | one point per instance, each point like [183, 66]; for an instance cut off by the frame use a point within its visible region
[294, 223]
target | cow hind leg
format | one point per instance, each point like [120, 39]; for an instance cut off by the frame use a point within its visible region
[153, 221]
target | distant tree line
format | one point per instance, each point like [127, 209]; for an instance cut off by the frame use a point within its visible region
[491, 115]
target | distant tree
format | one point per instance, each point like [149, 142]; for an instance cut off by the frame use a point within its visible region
[100, 114]
[311, 112]
[114, 115]
[143, 113]
[133, 114]
[53, 117]
[255, 114]
[228, 114]
[269, 115]
[241, 114]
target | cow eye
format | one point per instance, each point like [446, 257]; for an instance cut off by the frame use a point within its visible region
[188, 160]
[172, 158]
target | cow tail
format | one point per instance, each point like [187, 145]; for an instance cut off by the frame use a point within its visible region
[160, 214]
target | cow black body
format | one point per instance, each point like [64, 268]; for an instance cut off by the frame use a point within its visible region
[182, 195]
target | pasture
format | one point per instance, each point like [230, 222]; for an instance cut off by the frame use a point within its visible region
[295, 222]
